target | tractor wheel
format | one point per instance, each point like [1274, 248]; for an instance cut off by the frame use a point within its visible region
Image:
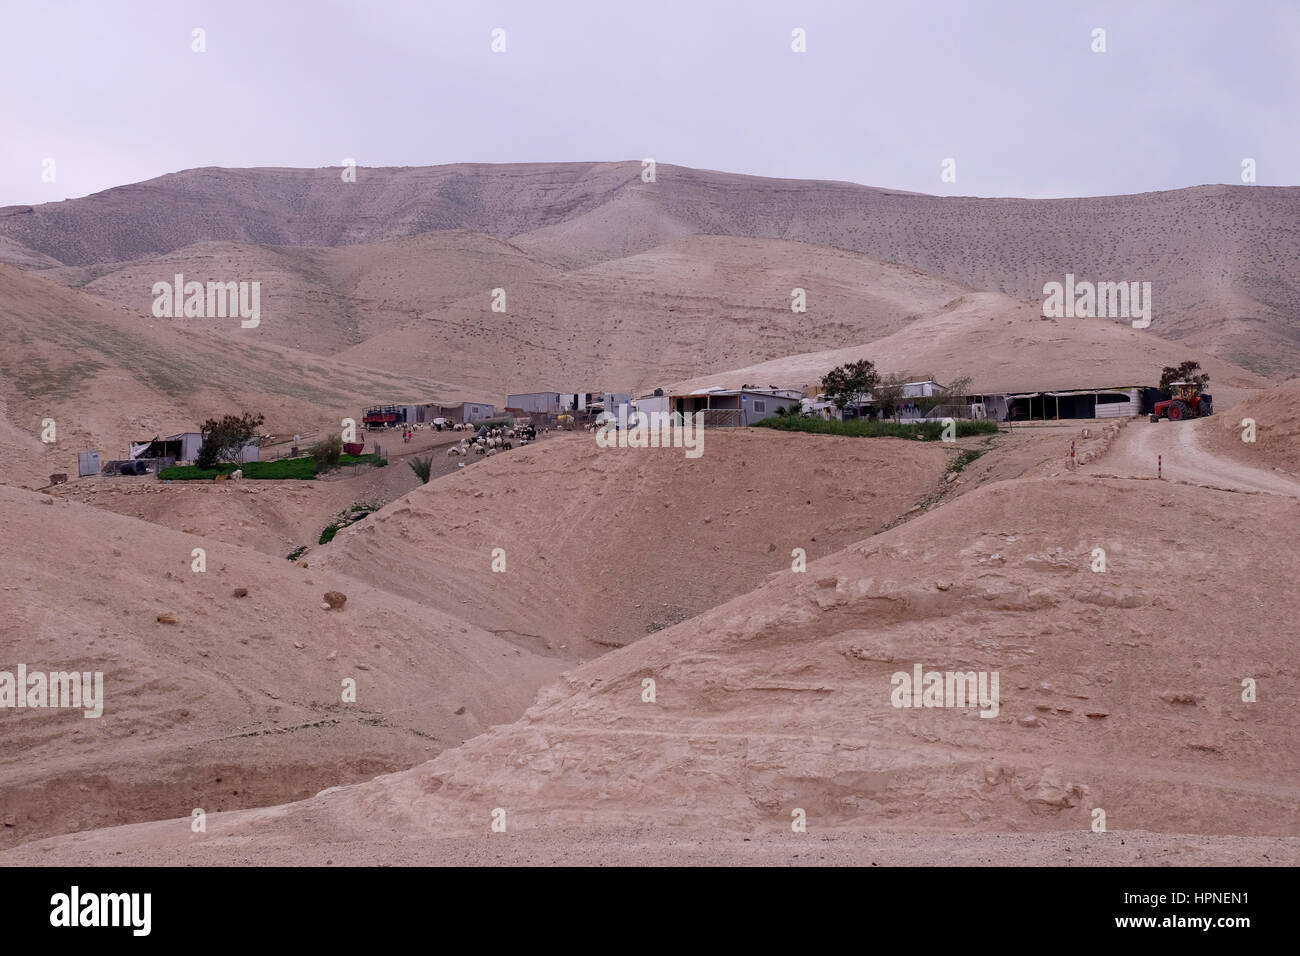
[1206, 406]
[1178, 411]
[1154, 419]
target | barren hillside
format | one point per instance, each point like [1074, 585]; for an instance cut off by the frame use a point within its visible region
[1221, 259]
[603, 546]
[783, 700]
[238, 701]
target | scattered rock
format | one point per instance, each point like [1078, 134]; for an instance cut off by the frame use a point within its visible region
[1097, 714]
[1029, 720]
[239, 592]
[334, 600]
[332, 656]
[299, 644]
[459, 710]
[363, 667]
[166, 618]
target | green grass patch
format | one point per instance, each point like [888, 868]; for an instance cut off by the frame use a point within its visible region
[865, 428]
[371, 459]
[297, 553]
[282, 469]
[301, 469]
[359, 511]
[964, 458]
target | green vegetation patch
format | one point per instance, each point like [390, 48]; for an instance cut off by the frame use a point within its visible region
[866, 428]
[282, 469]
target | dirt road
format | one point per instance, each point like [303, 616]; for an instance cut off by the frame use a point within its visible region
[1185, 459]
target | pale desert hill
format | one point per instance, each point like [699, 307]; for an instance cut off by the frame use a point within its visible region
[1003, 345]
[15, 254]
[1111, 697]
[1221, 259]
[108, 377]
[782, 698]
[697, 304]
[236, 704]
[1276, 414]
[603, 546]
[324, 300]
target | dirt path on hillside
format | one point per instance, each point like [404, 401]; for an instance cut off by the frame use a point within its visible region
[1185, 459]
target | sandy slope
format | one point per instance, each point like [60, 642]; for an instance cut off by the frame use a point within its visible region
[780, 699]
[1276, 413]
[606, 545]
[238, 703]
[699, 303]
[1002, 344]
[324, 300]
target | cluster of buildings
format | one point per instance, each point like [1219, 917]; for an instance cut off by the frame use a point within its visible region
[914, 401]
[564, 403]
[392, 416]
[750, 404]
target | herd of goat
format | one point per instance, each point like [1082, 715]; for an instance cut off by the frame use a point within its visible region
[494, 440]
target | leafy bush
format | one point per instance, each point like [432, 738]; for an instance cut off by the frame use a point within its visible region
[327, 453]
[846, 384]
[224, 438]
[296, 553]
[1188, 371]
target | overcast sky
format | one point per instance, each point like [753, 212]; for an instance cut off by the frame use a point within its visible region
[1012, 91]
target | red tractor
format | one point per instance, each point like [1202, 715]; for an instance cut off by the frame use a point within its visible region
[1185, 403]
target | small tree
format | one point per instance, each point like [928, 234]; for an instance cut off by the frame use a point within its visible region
[327, 452]
[1189, 371]
[845, 384]
[888, 395]
[422, 467]
[224, 438]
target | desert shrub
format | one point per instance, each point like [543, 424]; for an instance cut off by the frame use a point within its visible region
[326, 453]
[422, 467]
